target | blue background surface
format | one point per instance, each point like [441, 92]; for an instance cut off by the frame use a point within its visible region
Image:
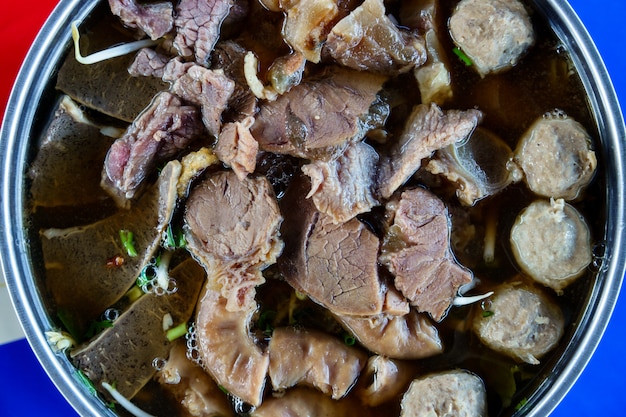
[25, 389]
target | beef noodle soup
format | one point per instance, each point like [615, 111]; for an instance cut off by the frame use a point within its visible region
[298, 208]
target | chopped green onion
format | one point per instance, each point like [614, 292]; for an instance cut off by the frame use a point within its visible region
[83, 379]
[300, 295]
[176, 332]
[464, 58]
[113, 52]
[224, 390]
[128, 241]
[348, 339]
[174, 238]
[135, 292]
[96, 327]
[521, 404]
[487, 313]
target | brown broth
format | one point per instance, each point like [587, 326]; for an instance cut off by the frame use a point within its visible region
[541, 82]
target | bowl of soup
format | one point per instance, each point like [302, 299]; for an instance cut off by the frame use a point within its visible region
[265, 207]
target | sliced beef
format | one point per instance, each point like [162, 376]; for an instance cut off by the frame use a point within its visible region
[123, 354]
[232, 228]
[165, 128]
[320, 113]
[191, 386]
[417, 251]
[208, 89]
[412, 336]
[155, 19]
[551, 243]
[313, 358]
[427, 129]
[148, 63]
[334, 264]
[453, 393]
[494, 34]
[226, 348]
[198, 24]
[309, 402]
[367, 40]
[237, 148]
[229, 57]
[384, 379]
[520, 321]
[77, 275]
[233, 221]
[556, 156]
[344, 187]
[68, 164]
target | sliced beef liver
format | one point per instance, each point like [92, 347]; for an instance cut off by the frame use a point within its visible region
[313, 358]
[427, 129]
[123, 354]
[344, 187]
[321, 112]
[335, 264]
[161, 131]
[417, 250]
[77, 275]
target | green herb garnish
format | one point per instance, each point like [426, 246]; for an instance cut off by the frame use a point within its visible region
[464, 58]
[176, 332]
[83, 379]
[348, 339]
[521, 404]
[174, 238]
[128, 242]
[488, 313]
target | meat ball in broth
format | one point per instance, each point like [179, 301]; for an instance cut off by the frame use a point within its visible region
[556, 156]
[454, 393]
[551, 243]
[494, 34]
[520, 321]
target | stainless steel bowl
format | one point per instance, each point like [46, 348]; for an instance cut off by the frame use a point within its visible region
[33, 91]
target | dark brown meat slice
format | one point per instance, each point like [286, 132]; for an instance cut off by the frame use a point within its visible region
[163, 129]
[367, 40]
[237, 148]
[233, 221]
[229, 57]
[344, 187]
[208, 89]
[427, 129]
[313, 358]
[452, 393]
[76, 258]
[319, 113]
[417, 250]
[300, 402]
[68, 165]
[148, 63]
[226, 348]
[191, 386]
[198, 24]
[123, 354]
[155, 19]
[493, 33]
[412, 336]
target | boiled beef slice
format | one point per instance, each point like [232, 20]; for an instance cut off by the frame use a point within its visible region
[198, 24]
[344, 187]
[321, 112]
[417, 250]
[427, 129]
[334, 264]
[155, 19]
[166, 127]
